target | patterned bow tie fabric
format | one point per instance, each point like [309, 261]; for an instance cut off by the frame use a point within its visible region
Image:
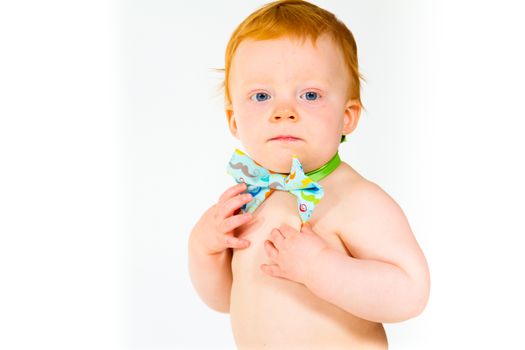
[262, 182]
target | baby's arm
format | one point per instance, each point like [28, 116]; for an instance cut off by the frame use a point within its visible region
[210, 274]
[387, 278]
[209, 248]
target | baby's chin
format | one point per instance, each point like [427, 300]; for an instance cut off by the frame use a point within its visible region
[280, 167]
[279, 162]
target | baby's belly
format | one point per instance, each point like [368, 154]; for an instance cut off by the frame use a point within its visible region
[275, 313]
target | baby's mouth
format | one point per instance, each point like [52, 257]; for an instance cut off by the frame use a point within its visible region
[285, 138]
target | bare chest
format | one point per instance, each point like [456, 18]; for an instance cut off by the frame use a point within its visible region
[273, 311]
[280, 208]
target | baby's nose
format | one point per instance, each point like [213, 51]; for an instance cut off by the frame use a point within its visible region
[285, 115]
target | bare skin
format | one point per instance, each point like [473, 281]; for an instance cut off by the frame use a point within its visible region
[276, 313]
[333, 284]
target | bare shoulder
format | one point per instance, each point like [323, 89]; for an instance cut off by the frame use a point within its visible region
[373, 226]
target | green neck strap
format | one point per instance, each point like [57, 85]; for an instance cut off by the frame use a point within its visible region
[325, 170]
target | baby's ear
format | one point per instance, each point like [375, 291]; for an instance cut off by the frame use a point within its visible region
[351, 118]
[231, 120]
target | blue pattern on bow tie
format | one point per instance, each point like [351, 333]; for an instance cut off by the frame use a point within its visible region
[261, 183]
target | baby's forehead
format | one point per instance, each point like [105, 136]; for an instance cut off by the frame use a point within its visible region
[288, 58]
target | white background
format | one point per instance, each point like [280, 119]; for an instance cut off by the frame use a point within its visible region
[113, 141]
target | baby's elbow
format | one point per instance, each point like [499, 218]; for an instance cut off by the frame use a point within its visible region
[423, 304]
[222, 308]
[420, 300]
[420, 285]
[409, 309]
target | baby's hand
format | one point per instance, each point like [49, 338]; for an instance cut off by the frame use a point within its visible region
[224, 220]
[293, 252]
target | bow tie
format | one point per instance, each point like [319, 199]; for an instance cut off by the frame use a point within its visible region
[262, 182]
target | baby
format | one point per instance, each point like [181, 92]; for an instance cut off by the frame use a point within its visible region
[303, 252]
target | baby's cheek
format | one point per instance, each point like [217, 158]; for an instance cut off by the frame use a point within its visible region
[255, 112]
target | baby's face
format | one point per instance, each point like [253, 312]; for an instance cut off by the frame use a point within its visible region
[282, 87]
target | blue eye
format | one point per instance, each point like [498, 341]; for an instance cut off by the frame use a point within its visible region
[311, 95]
[260, 96]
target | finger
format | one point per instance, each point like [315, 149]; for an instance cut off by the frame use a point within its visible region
[228, 208]
[234, 242]
[232, 191]
[270, 249]
[286, 230]
[276, 236]
[231, 223]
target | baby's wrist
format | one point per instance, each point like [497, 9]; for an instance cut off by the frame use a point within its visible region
[316, 266]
